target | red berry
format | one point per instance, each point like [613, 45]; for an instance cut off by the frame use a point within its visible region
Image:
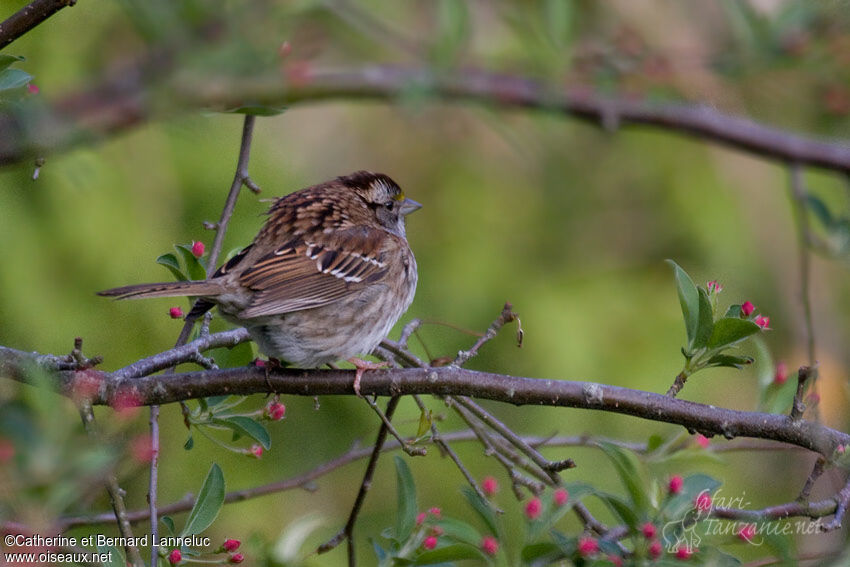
[490, 545]
[175, 313]
[257, 450]
[781, 375]
[231, 545]
[489, 485]
[587, 546]
[560, 497]
[430, 542]
[676, 483]
[747, 309]
[747, 532]
[533, 508]
[197, 249]
[236, 558]
[648, 530]
[275, 411]
[654, 549]
[175, 557]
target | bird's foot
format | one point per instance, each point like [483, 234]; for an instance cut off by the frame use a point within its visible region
[362, 366]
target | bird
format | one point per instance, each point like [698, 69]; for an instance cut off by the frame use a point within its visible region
[325, 279]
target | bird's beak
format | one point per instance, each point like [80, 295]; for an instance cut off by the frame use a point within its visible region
[408, 206]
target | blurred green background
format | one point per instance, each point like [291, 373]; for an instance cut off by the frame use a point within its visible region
[567, 221]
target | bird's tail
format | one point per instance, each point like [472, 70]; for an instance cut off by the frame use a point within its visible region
[165, 289]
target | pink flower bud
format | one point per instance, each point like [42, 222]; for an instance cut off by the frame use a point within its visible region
[490, 545]
[197, 249]
[684, 553]
[560, 497]
[436, 512]
[703, 441]
[714, 286]
[747, 532]
[141, 449]
[533, 508]
[430, 542]
[231, 545]
[436, 531]
[257, 450]
[763, 322]
[615, 560]
[747, 309]
[32, 88]
[654, 550]
[275, 411]
[587, 546]
[259, 363]
[648, 530]
[420, 519]
[489, 485]
[703, 501]
[236, 558]
[675, 485]
[175, 313]
[781, 375]
[175, 557]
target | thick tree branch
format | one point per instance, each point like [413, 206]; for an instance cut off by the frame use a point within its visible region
[708, 420]
[119, 102]
[29, 17]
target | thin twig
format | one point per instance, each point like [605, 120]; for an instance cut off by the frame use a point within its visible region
[817, 471]
[506, 316]
[677, 385]
[405, 445]
[116, 498]
[842, 500]
[798, 407]
[28, 18]
[347, 533]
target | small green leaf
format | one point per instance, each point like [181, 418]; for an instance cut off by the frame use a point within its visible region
[705, 323]
[406, 496]
[820, 210]
[115, 556]
[454, 552]
[625, 511]
[248, 427]
[208, 504]
[730, 330]
[168, 522]
[655, 441]
[542, 553]
[213, 401]
[460, 531]
[189, 444]
[424, 423]
[688, 299]
[13, 79]
[483, 509]
[632, 473]
[734, 312]
[6, 60]
[729, 361]
[194, 267]
[170, 261]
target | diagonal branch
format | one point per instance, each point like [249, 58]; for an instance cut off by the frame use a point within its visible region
[29, 17]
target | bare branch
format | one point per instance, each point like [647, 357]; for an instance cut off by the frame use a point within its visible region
[29, 17]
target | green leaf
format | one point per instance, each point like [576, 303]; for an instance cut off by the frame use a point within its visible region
[454, 552]
[115, 555]
[194, 267]
[730, 330]
[170, 261]
[683, 502]
[730, 361]
[733, 312]
[632, 473]
[406, 500]
[208, 504]
[655, 441]
[248, 427]
[483, 509]
[424, 423]
[257, 110]
[213, 401]
[6, 60]
[688, 299]
[189, 444]
[542, 553]
[625, 511]
[168, 522]
[13, 79]
[705, 321]
[820, 210]
[460, 531]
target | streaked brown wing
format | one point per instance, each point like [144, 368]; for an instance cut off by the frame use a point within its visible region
[303, 273]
